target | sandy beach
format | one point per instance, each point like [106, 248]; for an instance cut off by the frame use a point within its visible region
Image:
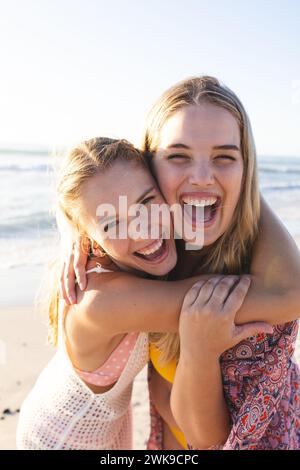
[23, 353]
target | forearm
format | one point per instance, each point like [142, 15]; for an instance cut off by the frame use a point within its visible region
[126, 303]
[273, 305]
[137, 304]
[197, 402]
[123, 303]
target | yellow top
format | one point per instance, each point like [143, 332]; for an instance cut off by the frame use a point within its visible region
[168, 373]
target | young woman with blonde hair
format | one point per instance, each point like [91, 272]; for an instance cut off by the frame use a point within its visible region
[202, 153]
[200, 138]
[82, 398]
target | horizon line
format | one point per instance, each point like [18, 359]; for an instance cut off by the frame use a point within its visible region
[46, 150]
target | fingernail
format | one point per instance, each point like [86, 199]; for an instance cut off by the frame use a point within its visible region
[72, 299]
[81, 285]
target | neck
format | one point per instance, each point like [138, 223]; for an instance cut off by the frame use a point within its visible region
[128, 269]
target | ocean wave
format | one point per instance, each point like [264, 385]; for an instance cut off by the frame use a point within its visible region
[280, 187]
[26, 224]
[21, 168]
[276, 170]
[44, 167]
[27, 251]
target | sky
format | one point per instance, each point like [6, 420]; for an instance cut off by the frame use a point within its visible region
[75, 69]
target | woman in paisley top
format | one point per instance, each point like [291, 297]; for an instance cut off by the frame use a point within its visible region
[253, 401]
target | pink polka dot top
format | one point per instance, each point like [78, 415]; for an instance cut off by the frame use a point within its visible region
[113, 367]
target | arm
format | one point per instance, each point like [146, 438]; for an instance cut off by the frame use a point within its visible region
[207, 329]
[274, 295]
[259, 397]
[124, 303]
[198, 402]
[118, 302]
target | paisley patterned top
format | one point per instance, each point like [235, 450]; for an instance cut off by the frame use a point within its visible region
[261, 385]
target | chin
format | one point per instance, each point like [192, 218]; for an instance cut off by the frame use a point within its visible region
[159, 272]
[209, 240]
[165, 269]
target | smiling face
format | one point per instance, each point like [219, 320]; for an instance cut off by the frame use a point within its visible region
[133, 181]
[198, 162]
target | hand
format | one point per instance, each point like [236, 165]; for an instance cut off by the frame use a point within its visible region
[73, 268]
[207, 316]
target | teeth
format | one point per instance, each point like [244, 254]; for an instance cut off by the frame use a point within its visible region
[152, 249]
[199, 202]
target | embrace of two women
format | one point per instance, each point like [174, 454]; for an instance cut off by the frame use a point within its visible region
[217, 325]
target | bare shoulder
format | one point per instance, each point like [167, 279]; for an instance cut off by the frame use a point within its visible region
[97, 304]
[100, 287]
[87, 321]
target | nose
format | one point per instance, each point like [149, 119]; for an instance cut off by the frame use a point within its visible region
[202, 174]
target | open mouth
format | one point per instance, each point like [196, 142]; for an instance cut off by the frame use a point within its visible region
[155, 252]
[201, 210]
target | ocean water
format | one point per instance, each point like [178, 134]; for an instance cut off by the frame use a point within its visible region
[27, 225]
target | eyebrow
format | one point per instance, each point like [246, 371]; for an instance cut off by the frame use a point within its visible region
[217, 147]
[178, 146]
[106, 219]
[227, 147]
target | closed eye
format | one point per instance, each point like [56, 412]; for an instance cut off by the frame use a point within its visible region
[226, 157]
[178, 156]
[107, 227]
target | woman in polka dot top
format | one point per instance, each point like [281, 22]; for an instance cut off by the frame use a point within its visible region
[82, 399]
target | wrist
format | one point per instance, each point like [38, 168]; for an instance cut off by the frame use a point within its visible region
[197, 358]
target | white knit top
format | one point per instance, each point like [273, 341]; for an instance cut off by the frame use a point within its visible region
[61, 412]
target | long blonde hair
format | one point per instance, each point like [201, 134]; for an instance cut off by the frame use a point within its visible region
[82, 162]
[231, 253]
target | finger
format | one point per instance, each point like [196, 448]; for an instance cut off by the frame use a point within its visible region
[207, 290]
[69, 280]
[62, 290]
[192, 294]
[251, 329]
[237, 296]
[80, 261]
[221, 291]
[201, 291]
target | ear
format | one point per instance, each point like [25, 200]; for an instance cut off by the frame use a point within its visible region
[97, 250]
[85, 243]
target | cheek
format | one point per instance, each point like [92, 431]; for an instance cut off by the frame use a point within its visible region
[237, 181]
[117, 249]
[168, 178]
[233, 182]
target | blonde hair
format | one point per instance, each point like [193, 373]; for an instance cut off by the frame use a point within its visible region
[82, 162]
[231, 253]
